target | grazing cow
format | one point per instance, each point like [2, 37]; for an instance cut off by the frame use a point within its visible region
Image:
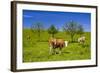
[81, 40]
[56, 44]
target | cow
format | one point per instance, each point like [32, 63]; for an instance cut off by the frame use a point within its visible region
[81, 40]
[56, 45]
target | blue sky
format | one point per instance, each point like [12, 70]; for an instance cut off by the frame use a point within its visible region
[58, 19]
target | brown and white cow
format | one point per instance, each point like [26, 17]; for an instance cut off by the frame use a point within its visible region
[56, 45]
[81, 40]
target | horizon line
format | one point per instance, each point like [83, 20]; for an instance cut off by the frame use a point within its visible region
[46, 29]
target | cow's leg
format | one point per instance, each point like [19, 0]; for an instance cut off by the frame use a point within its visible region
[54, 50]
[60, 51]
[83, 43]
[50, 50]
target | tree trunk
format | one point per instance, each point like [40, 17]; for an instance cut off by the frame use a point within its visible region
[72, 39]
[38, 35]
[53, 35]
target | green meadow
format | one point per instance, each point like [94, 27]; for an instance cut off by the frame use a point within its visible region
[38, 51]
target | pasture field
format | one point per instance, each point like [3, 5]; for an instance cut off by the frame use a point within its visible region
[38, 51]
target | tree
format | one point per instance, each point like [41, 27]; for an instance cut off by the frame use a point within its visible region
[71, 28]
[37, 28]
[80, 30]
[52, 30]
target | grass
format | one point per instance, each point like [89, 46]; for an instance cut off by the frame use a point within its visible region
[38, 51]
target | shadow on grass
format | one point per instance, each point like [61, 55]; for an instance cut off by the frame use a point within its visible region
[66, 52]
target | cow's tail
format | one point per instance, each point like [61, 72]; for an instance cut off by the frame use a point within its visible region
[66, 43]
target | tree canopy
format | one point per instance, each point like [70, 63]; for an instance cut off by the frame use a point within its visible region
[52, 30]
[73, 28]
[38, 28]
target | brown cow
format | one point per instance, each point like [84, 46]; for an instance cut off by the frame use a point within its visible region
[56, 45]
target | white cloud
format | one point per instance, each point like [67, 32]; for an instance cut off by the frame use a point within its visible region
[28, 16]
